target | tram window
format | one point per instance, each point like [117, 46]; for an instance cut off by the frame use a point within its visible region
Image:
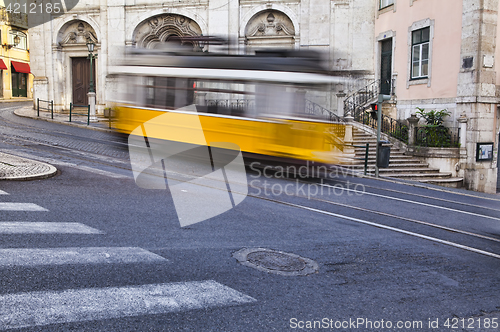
[168, 92]
[225, 97]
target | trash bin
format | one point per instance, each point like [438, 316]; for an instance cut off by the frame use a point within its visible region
[384, 153]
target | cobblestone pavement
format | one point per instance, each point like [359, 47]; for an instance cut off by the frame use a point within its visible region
[17, 168]
[100, 141]
[49, 140]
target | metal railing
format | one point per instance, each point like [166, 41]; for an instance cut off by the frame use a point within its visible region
[316, 109]
[50, 107]
[437, 136]
[367, 148]
[389, 126]
[72, 111]
[356, 102]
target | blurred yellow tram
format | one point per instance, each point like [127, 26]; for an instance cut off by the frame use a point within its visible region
[264, 104]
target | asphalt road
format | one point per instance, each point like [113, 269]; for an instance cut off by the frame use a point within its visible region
[95, 252]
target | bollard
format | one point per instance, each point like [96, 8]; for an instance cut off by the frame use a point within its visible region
[366, 156]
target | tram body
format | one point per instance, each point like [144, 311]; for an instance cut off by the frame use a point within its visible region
[256, 103]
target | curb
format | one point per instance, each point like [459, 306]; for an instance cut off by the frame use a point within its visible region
[16, 112]
[47, 174]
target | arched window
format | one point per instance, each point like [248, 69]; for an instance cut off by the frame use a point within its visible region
[18, 39]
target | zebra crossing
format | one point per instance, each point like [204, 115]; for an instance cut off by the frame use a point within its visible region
[39, 308]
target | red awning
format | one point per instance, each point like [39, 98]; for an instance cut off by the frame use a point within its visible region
[21, 67]
[2, 65]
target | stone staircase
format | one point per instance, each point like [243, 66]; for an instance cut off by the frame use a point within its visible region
[401, 166]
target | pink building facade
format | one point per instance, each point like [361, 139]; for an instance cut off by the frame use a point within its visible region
[443, 55]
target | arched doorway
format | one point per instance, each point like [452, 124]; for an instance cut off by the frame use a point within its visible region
[155, 31]
[270, 28]
[72, 40]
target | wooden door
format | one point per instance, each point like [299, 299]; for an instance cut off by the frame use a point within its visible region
[19, 84]
[81, 80]
[386, 67]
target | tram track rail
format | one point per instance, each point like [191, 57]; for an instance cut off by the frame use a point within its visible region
[70, 153]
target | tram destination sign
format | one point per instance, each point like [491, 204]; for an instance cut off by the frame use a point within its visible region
[31, 13]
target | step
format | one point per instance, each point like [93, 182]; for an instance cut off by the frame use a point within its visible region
[409, 169]
[448, 182]
[399, 166]
[419, 176]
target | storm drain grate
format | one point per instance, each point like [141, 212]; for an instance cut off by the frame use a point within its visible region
[277, 262]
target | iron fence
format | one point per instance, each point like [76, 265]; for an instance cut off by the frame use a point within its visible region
[437, 136]
[392, 127]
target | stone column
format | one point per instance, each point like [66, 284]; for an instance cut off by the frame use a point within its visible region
[348, 151]
[412, 129]
[340, 103]
[476, 89]
[91, 96]
[463, 130]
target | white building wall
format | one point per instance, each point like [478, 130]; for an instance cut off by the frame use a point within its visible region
[343, 29]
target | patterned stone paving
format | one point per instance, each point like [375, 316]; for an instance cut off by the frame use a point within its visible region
[17, 168]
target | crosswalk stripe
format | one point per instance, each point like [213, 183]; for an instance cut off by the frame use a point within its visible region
[26, 227]
[21, 207]
[60, 256]
[75, 305]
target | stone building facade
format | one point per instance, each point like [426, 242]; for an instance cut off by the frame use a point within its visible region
[444, 55]
[342, 29]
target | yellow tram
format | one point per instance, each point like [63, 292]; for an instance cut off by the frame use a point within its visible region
[268, 106]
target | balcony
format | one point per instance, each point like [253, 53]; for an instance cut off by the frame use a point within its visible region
[16, 19]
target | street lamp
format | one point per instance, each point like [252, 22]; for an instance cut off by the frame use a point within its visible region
[91, 94]
[92, 56]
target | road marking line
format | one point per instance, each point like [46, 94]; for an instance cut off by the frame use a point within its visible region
[75, 305]
[21, 207]
[60, 256]
[417, 203]
[430, 238]
[26, 227]
[3, 192]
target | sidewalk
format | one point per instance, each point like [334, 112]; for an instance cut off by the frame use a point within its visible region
[17, 168]
[63, 118]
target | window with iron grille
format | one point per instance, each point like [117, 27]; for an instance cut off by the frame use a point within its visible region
[386, 3]
[420, 53]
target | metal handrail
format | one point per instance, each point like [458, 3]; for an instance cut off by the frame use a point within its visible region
[72, 106]
[49, 102]
[356, 101]
[392, 127]
[313, 108]
[367, 147]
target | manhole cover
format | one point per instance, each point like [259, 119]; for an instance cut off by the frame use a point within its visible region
[277, 262]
